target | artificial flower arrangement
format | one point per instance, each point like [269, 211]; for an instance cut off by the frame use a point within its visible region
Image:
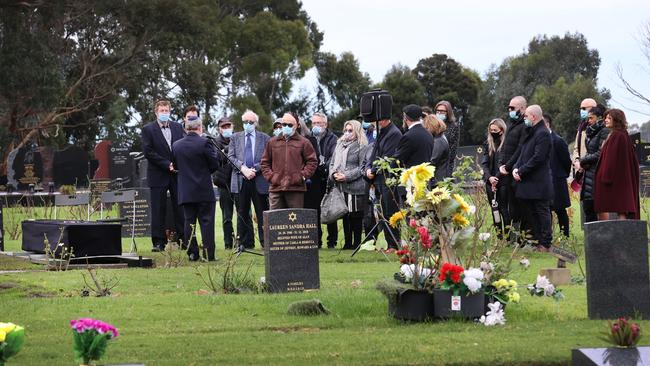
[544, 287]
[622, 333]
[12, 337]
[504, 291]
[91, 338]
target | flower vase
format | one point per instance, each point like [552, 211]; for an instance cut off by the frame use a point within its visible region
[412, 305]
[466, 306]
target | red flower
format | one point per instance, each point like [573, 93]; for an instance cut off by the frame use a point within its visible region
[413, 223]
[451, 272]
[455, 277]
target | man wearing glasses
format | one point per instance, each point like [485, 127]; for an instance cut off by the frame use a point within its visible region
[247, 184]
[288, 161]
[516, 134]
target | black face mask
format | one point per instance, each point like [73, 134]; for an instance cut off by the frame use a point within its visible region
[495, 135]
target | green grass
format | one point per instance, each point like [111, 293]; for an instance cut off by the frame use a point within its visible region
[164, 320]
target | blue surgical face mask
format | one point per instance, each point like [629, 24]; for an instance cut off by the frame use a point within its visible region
[374, 134]
[249, 127]
[513, 114]
[192, 118]
[163, 117]
[441, 116]
[527, 122]
[277, 131]
[227, 132]
[287, 131]
[583, 113]
[366, 125]
[316, 130]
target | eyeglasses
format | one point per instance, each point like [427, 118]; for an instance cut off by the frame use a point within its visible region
[441, 111]
[287, 124]
[249, 122]
[511, 108]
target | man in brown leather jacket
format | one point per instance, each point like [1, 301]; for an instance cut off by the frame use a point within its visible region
[288, 161]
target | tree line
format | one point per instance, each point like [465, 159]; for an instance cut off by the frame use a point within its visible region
[75, 71]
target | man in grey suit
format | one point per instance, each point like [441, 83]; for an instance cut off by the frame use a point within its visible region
[246, 150]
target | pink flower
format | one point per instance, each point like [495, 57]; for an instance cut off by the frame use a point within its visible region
[425, 238]
[413, 224]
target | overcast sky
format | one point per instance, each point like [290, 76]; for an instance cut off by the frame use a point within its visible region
[478, 33]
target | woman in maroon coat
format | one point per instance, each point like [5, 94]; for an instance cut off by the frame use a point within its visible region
[617, 173]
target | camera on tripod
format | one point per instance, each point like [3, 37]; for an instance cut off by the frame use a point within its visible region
[376, 105]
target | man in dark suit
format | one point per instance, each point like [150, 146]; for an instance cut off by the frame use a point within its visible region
[222, 180]
[245, 151]
[195, 158]
[157, 140]
[560, 170]
[385, 146]
[416, 145]
[532, 171]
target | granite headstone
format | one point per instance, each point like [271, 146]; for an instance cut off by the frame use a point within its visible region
[473, 151]
[103, 159]
[291, 250]
[142, 214]
[28, 167]
[644, 181]
[643, 153]
[632, 356]
[71, 167]
[618, 281]
[120, 164]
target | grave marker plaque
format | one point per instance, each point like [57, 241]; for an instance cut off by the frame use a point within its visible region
[142, 214]
[120, 164]
[291, 250]
[618, 282]
[644, 181]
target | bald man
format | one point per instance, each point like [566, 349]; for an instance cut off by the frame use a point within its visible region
[580, 147]
[515, 136]
[532, 171]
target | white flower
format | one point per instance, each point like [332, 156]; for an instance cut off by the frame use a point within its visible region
[549, 290]
[524, 262]
[472, 209]
[409, 269]
[542, 282]
[472, 278]
[262, 280]
[494, 316]
[484, 236]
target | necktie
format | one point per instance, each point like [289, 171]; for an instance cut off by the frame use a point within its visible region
[248, 151]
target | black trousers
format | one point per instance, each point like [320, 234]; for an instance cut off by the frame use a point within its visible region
[538, 219]
[247, 194]
[204, 213]
[590, 213]
[389, 198]
[226, 204]
[159, 213]
[562, 220]
[352, 228]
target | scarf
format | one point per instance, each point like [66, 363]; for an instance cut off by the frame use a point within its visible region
[341, 155]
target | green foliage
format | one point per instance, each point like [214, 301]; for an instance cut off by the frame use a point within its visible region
[89, 345]
[341, 81]
[12, 344]
[404, 88]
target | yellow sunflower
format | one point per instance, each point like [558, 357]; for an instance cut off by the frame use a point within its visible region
[396, 218]
[438, 195]
[461, 201]
[459, 220]
[419, 175]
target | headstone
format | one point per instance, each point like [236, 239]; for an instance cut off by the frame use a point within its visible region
[473, 151]
[291, 250]
[644, 181]
[28, 167]
[643, 153]
[98, 186]
[636, 138]
[139, 169]
[120, 164]
[142, 214]
[11, 173]
[71, 167]
[47, 155]
[103, 158]
[610, 356]
[618, 281]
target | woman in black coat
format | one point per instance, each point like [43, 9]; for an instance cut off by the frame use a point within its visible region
[445, 113]
[440, 153]
[496, 191]
[596, 133]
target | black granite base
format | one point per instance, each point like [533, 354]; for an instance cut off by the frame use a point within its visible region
[610, 356]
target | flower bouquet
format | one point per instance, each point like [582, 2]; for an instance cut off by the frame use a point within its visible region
[460, 292]
[12, 337]
[622, 333]
[91, 338]
[544, 287]
[504, 291]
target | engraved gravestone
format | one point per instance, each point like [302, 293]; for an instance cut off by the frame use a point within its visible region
[28, 167]
[616, 256]
[142, 214]
[120, 164]
[291, 250]
[644, 181]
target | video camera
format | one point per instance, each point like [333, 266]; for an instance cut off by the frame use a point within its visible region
[376, 105]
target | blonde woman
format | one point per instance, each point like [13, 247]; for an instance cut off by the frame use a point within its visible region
[440, 154]
[346, 169]
[490, 163]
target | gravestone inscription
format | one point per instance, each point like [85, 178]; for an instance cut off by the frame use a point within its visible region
[291, 250]
[120, 164]
[644, 181]
[618, 281]
[28, 167]
[142, 214]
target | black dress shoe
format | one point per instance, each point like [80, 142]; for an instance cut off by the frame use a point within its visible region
[193, 257]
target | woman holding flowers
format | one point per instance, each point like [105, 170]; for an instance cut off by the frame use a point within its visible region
[346, 169]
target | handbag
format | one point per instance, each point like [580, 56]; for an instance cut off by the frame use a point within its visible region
[333, 206]
[496, 215]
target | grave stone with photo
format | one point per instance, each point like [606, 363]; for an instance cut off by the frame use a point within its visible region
[28, 168]
[291, 250]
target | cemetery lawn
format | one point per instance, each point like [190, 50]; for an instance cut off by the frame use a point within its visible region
[165, 317]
